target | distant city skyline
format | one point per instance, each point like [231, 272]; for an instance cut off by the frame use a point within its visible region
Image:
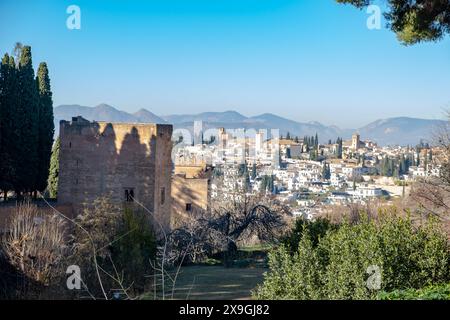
[303, 60]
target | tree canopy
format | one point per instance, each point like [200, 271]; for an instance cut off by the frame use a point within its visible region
[26, 124]
[414, 21]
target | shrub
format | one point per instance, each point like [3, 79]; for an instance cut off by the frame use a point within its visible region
[314, 229]
[292, 277]
[114, 248]
[338, 266]
[435, 292]
[134, 250]
[33, 249]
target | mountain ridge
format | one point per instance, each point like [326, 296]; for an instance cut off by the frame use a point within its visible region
[401, 130]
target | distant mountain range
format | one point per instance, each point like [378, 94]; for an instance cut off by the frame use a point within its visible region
[391, 131]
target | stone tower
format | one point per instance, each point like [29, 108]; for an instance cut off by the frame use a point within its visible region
[355, 141]
[127, 163]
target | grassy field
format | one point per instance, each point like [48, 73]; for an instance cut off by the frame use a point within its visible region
[214, 283]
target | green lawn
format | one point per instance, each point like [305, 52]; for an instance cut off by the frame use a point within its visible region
[214, 283]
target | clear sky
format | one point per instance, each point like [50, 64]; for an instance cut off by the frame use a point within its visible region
[307, 60]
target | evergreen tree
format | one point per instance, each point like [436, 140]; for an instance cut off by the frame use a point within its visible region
[54, 171]
[270, 186]
[326, 173]
[267, 184]
[254, 171]
[7, 79]
[397, 171]
[410, 160]
[387, 167]
[247, 184]
[339, 148]
[242, 170]
[26, 124]
[414, 21]
[46, 126]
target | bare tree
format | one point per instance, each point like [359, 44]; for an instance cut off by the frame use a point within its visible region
[238, 216]
[35, 245]
[433, 192]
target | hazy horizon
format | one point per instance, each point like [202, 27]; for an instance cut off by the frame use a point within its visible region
[247, 115]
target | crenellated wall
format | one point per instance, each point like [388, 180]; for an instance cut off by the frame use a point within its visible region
[100, 159]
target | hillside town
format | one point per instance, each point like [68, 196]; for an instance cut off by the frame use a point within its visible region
[306, 175]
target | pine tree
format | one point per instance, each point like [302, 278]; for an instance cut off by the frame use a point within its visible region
[46, 126]
[54, 171]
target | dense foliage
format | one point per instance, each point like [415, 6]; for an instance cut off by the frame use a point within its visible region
[53, 176]
[26, 124]
[342, 264]
[434, 292]
[414, 20]
[114, 246]
[314, 230]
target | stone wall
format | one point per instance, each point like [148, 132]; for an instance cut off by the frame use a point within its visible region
[193, 191]
[191, 171]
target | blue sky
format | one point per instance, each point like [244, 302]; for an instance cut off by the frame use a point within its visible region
[307, 60]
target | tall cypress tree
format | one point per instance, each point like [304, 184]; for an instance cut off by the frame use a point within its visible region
[8, 132]
[3, 107]
[254, 171]
[6, 129]
[46, 127]
[54, 171]
[339, 148]
[26, 122]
